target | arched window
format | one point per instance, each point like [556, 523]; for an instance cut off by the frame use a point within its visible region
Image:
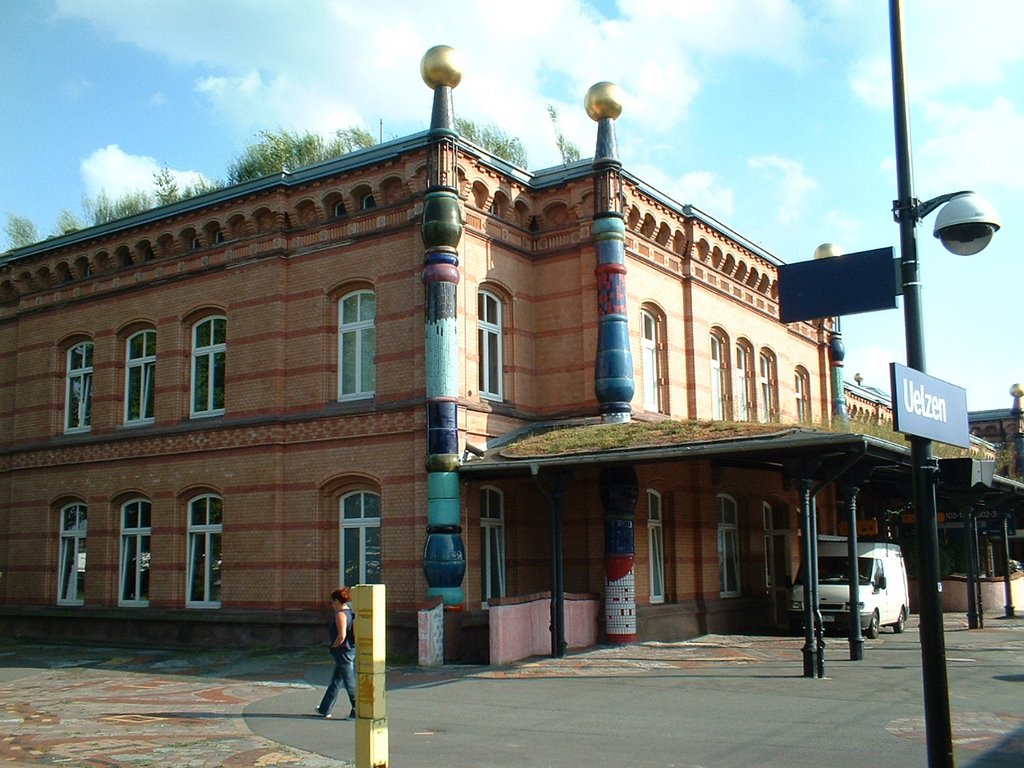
[209, 353]
[203, 573]
[768, 386]
[652, 366]
[135, 557]
[728, 546]
[802, 389]
[744, 381]
[357, 345]
[71, 577]
[656, 546]
[492, 544]
[140, 365]
[359, 560]
[719, 376]
[489, 346]
[78, 413]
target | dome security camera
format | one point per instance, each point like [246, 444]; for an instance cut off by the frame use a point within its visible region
[965, 225]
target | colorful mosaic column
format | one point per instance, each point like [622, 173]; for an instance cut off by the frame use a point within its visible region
[444, 556]
[618, 497]
[613, 369]
[836, 356]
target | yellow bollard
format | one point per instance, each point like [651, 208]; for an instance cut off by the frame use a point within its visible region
[371, 712]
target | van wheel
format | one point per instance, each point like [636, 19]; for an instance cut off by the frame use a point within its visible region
[872, 630]
[901, 622]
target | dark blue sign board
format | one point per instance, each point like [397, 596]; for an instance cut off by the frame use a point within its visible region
[927, 407]
[843, 285]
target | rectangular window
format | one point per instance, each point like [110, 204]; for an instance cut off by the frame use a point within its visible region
[656, 547]
[360, 555]
[728, 547]
[357, 346]
[492, 544]
[489, 343]
[209, 352]
[135, 557]
[204, 552]
[71, 578]
[140, 365]
[650, 370]
[78, 414]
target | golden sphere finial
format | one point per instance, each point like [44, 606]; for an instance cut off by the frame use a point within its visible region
[441, 65]
[603, 100]
[1016, 390]
[827, 251]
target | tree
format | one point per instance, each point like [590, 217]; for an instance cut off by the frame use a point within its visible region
[570, 152]
[67, 223]
[20, 231]
[284, 150]
[102, 209]
[494, 140]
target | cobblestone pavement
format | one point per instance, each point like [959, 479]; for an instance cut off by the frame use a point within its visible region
[112, 707]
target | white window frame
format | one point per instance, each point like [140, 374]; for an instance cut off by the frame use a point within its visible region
[768, 411]
[656, 546]
[78, 390]
[363, 525]
[139, 373]
[719, 372]
[215, 353]
[744, 360]
[360, 335]
[492, 538]
[490, 342]
[728, 546]
[199, 564]
[650, 368]
[74, 524]
[802, 391]
[135, 557]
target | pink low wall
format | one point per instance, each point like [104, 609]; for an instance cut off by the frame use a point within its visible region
[520, 627]
[993, 594]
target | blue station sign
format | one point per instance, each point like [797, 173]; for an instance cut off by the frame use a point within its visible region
[927, 407]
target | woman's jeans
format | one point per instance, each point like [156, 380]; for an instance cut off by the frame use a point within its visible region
[344, 673]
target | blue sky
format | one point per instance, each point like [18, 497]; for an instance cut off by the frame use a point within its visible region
[774, 116]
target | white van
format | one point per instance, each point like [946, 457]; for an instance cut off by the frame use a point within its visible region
[884, 595]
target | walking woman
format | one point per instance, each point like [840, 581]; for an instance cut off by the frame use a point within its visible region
[343, 650]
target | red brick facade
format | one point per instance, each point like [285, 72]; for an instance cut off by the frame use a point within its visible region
[274, 258]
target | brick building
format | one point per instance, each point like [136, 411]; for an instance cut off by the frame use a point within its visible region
[213, 412]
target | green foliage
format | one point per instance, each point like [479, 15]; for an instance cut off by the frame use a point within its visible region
[493, 139]
[283, 150]
[103, 209]
[570, 152]
[67, 223]
[167, 190]
[20, 231]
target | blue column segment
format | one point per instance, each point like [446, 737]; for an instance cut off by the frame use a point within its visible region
[613, 365]
[444, 555]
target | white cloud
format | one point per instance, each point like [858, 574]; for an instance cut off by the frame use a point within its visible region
[793, 185]
[114, 172]
[961, 151]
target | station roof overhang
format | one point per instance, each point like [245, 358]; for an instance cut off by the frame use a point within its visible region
[798, 453]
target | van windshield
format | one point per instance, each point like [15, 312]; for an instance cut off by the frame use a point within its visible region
[835, 570]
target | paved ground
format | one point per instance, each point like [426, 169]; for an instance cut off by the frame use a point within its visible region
[713, 702]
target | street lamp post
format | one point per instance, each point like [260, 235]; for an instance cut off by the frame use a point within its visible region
[966, 231]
